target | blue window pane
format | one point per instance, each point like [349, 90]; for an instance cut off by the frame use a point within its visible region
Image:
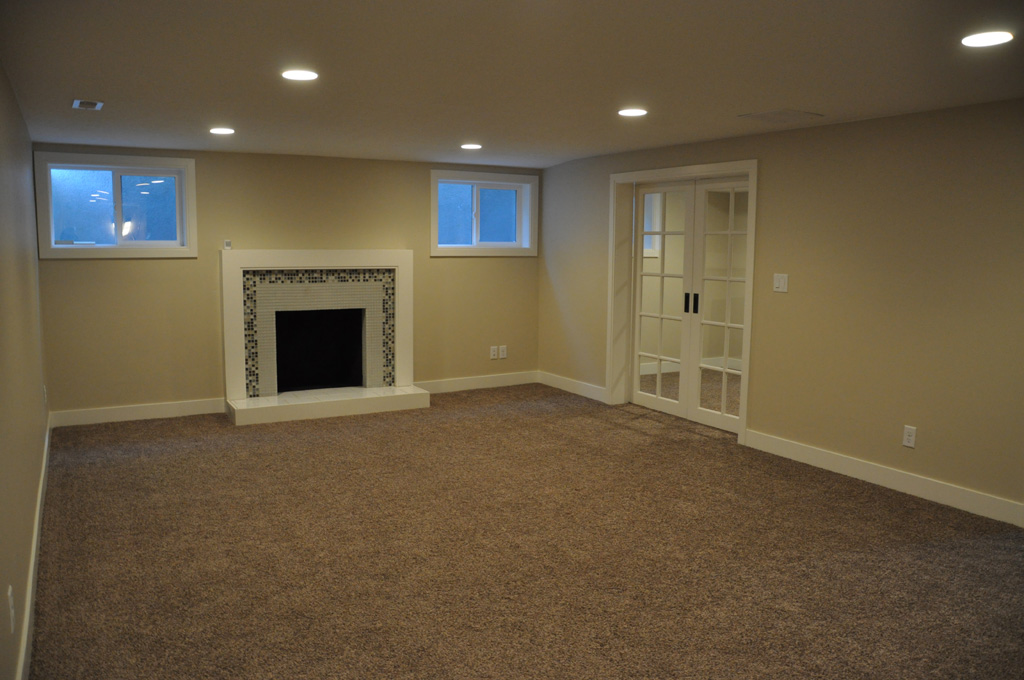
[149, 208]
[82, 206]
[454, 214]
[497, 215]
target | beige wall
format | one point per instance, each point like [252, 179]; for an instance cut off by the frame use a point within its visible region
[22, 408]
[120, 332]
[904, 242]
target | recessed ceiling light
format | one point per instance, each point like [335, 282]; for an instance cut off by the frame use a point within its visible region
[471, 147]
[222, 131]
[632, 113]
[987, 39]
[300, 74]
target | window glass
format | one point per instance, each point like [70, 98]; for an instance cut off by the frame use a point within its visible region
[83, 206]
[455, 214]
[149, 209]
[498, 215]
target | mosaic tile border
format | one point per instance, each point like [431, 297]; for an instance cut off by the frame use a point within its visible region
[251, 278]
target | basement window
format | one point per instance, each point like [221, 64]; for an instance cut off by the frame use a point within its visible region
[100, 206]
[483, 214]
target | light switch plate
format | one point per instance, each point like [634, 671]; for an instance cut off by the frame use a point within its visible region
[780, 284]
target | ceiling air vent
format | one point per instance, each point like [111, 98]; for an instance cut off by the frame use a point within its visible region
[784, 117]
[87, 105]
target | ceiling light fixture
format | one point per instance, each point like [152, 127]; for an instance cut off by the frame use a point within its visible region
[632, 113]
[987, 39]
[222, 131]
[471, 147]
[300, 74]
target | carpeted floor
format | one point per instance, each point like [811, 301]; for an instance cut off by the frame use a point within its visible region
[511, 533]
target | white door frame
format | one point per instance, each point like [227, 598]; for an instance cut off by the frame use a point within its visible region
[618, 360]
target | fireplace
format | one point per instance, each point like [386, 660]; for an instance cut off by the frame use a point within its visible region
[319, 348]
[311, 334]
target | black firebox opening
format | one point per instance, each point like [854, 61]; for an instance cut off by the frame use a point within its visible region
[319, 348]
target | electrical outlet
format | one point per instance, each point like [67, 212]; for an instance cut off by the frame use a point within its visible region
[10, 604]
[494, 351]
[503, 352]
[227, 244]
[909, 436]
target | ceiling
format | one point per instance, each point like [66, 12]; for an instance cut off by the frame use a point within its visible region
[536, 82]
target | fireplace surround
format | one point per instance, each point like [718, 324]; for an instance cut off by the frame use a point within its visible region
[259, 283]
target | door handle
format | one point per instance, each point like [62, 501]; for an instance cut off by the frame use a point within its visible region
[686, 303]
[696, 302]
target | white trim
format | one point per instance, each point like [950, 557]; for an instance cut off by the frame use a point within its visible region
[28, 614]
[116, 414]
[478, 382]
[976, 502]
[595, 392]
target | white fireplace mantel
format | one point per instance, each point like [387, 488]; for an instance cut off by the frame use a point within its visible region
[317, 403]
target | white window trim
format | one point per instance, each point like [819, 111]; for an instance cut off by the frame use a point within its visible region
[185, 167]
[527, 187]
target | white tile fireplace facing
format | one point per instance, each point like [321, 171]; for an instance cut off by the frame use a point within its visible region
[258, 283]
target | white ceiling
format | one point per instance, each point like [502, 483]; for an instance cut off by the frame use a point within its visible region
[537, 82]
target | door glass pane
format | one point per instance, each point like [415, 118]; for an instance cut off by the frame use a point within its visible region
[738, 261]
[735, 353]
[740, 209]
[82, 203]
[671, 338]
[674, 263]
[454, 214]
[498, 215]
[732, 394]
[712, 347]
[717, 211]
[651, 263]
[711, 389]
[675, 211]
[716, 255]
[650, 294]
[737, 293]
[652, 212]
[673, 297]
[149, 208]
[650, 329]
[712, 303]
[648, 375]
[670, 380]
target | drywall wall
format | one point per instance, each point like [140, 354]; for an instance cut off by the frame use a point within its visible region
[123, 332]
[22, 409]
[903, 239]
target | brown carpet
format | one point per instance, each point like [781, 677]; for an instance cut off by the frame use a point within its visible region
[512, 533]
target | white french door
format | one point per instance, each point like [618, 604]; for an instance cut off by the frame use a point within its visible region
[690, 288]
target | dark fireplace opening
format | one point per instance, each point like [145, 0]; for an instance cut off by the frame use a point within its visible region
[319, 348]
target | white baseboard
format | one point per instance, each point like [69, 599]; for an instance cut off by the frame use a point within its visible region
[28, 614]
[522, 378]
[975, 502]
[116, 414]
[595, 392]
[478, 382]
